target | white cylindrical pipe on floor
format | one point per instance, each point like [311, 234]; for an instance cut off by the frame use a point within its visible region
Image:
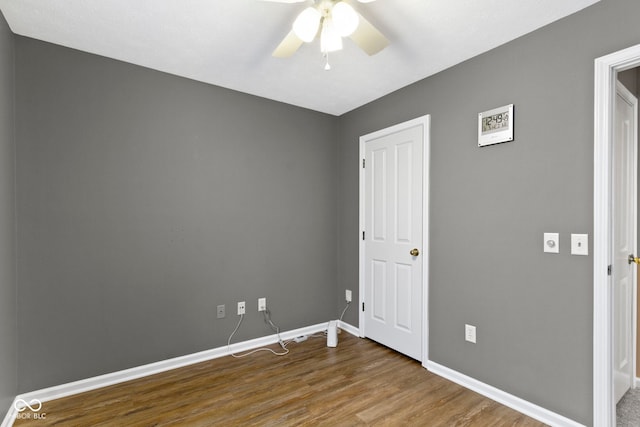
[332, 334]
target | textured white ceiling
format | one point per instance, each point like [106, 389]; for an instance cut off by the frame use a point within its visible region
[229, 42]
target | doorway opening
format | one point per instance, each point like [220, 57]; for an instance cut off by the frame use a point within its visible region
[624, 246]
[607, 69]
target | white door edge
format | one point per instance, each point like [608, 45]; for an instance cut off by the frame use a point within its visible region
[633, 100]
[425, 122]
[606, 69]
[622, 92]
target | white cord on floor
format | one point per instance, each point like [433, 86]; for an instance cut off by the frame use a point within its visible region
[267, 319]
[274, 327]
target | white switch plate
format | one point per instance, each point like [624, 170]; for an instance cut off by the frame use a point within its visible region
[470, 333]
[551, 243]
[579, 244]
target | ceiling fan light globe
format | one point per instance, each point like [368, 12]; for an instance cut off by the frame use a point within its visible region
[330, 39]
[345, 19]
[306, 24]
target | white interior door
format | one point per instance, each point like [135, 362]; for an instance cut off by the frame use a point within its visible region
[624, 238]
[394, 249]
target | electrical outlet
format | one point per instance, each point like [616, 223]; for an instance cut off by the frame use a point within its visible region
[470, 333]
[221, 311]
[347, 295]
[262, 304]
[241, 308]
[579, 244]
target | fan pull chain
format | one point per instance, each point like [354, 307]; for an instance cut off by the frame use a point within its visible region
[327, 66]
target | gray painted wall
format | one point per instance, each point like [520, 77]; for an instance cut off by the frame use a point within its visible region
[8, 307]
[145, 200]
[629, 79]
[490, 207]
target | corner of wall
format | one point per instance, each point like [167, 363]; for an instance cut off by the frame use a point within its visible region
[8, 258]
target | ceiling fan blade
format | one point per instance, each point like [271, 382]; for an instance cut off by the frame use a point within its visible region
[288, 46]
[368, 37]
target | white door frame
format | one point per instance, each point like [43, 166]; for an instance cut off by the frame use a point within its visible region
[425, 122]
[606, 70]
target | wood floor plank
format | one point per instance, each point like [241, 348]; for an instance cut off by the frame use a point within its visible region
[359, 383]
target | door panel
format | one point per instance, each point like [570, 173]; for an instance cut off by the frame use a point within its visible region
[393, 214]
[379, 195]
[404, 181]
[379, 285]
[403, 296]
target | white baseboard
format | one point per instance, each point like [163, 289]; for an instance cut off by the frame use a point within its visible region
[534, 411]
[10, 417]
[93, 383]
[349, 328]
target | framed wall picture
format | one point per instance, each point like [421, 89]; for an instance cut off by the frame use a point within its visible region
[495, 126]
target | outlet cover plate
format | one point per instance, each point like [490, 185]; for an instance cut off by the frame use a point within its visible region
[221, 311]
[551, 243]
[347, 295]
[579, 244]
[470, 333]
[241, 307]
[262, 304]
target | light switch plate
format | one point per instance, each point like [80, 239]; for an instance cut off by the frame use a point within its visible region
[579, 244]
[551, 243]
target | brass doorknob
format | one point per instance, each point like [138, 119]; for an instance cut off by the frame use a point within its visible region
[634, 259]
[416, 252]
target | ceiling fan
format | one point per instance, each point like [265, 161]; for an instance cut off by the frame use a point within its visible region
[332, 20]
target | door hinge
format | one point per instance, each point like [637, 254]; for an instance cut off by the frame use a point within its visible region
[363, 161]
[363, 235]
[362, 306]
[609, 270]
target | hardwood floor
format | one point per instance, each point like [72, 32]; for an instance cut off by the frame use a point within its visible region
[357, 383]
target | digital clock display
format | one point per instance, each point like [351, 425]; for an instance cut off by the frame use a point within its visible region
[495, 126]
[495, 122]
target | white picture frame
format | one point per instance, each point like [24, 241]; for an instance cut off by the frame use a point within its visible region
[495, 126]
